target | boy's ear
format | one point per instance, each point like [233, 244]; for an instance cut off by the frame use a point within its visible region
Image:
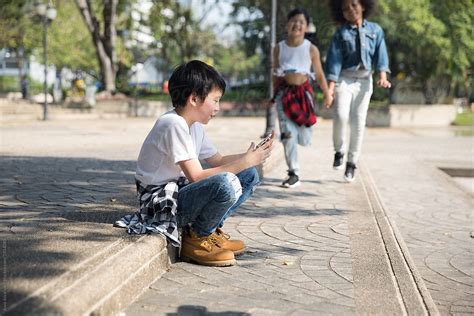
[193, 99]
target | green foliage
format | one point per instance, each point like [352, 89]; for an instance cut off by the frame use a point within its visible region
[246, 93]
[464, 119]
[430, 41]
[232, 62]
[178, 33]
[12, 84]
[9, 84]
[18, 27]
[181, 37]
[70, 44]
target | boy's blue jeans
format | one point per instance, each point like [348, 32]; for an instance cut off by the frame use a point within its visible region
[207, 203]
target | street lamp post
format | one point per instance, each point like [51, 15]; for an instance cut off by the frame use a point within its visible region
[271, 110]
[47, 13]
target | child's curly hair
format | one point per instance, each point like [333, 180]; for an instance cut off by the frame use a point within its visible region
[336, 9]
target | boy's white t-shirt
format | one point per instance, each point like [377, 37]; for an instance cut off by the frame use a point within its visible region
[169, 142]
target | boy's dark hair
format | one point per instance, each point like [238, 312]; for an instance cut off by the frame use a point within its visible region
[297, 11]
[336, 9]
[193, 77]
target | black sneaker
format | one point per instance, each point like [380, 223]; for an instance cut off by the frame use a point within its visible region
[291, 181]
[338, 160]
[349, 175]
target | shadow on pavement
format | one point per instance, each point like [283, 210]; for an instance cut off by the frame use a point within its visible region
[79, 189]
[198, 310]
[45, 309]
[55, 213]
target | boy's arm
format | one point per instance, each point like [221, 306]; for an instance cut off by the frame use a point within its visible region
[219, 160]
[320, 78]
[233, 163]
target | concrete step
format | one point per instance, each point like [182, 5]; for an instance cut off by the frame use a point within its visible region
[102, 284]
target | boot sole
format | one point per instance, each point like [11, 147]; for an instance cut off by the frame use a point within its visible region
[239, 252]
[338, 167]
[223, 263]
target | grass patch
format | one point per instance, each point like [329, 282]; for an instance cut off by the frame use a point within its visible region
[464, 119]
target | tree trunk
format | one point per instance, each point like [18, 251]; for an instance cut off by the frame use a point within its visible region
[20, 64]
[428, 92]
[104, 43]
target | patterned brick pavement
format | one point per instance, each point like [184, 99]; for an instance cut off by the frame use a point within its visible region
[298, 260]
[67, 178]
[435, 216]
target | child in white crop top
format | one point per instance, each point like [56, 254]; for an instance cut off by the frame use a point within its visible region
[292, 62]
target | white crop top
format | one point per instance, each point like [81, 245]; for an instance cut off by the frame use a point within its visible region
[294, 59]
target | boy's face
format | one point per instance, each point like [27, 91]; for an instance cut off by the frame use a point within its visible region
[352, 10]
[208, 108]
[297, 26]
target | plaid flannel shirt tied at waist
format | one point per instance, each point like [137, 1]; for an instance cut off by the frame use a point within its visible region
[297, 101]
[158, 211]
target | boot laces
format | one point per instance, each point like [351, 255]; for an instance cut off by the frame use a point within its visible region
[212, 240]
[224, 235]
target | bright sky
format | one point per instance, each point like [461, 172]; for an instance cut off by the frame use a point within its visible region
[217, 16]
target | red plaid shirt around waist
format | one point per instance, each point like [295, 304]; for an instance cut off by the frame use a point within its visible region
[298, 102]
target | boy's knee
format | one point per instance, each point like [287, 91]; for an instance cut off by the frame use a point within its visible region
[230, 188]
[250, 176]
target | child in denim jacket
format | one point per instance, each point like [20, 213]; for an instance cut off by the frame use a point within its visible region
[357, 49]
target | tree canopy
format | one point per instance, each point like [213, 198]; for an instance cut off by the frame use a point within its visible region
[430, 42]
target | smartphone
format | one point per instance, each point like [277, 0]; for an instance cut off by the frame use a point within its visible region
[264, 141]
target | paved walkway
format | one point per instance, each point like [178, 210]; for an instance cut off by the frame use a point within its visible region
[306, 245]
[433, 213]
[397, 237]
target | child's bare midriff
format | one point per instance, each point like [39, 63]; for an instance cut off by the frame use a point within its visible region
[295, 79]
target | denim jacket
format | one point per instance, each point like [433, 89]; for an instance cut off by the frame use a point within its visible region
[345, 53]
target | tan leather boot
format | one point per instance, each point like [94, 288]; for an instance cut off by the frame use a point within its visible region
[236, 246]
[205, 250]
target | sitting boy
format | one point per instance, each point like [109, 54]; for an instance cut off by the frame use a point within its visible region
[169, 171]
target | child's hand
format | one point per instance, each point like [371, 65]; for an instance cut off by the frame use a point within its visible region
[383, 82]
[255, 156]
[328, 99]
[329, 95]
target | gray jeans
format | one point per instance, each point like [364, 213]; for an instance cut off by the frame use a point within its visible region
[299, 135]
[352, 97]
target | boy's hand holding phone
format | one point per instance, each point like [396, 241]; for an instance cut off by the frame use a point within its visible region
[258, 154]
[264, 141]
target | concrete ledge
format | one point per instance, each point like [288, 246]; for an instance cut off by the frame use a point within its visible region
[411, 290]
[103, 284]
[404, 115]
